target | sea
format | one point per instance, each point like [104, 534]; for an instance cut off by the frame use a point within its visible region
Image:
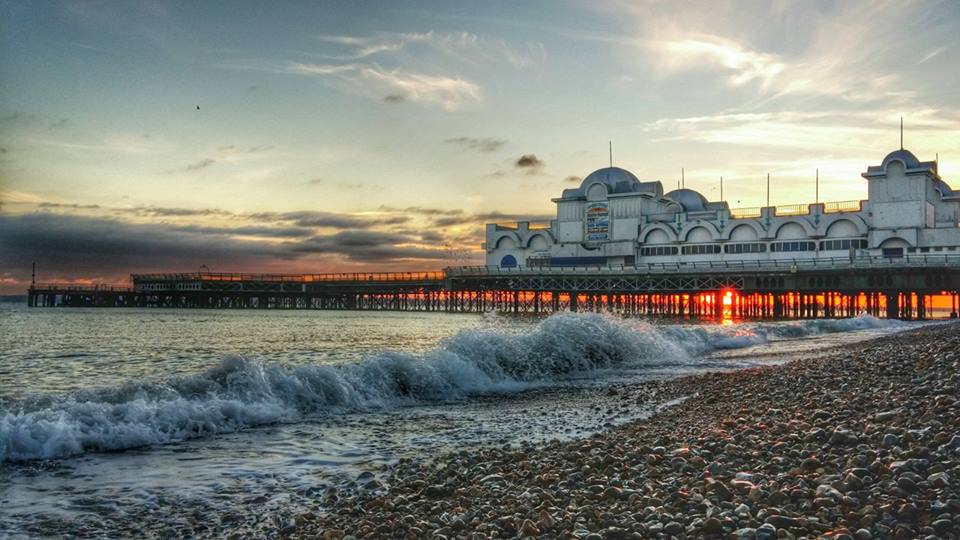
[116, 422]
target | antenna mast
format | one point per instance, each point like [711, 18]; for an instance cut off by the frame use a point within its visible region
[901, 133]
[611, 154]
[768, 190]
[817, 196]
[683, 179]
[721, 189]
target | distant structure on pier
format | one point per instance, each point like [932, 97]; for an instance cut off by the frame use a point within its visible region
[614, 219]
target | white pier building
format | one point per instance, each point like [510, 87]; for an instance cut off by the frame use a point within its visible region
[614, 219]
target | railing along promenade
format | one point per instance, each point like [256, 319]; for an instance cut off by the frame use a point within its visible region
[786, 287]
[778, 265]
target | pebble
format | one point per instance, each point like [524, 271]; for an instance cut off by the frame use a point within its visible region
[859, 444]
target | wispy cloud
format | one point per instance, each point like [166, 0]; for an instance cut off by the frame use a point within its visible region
[485, 144]
[745, 65]
[932, 54]
[447, 92]
[829, 131]
[463, 46]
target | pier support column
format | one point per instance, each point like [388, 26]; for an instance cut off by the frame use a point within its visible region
[893, 305]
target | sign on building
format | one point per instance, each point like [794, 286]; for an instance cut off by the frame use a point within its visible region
[597, 222]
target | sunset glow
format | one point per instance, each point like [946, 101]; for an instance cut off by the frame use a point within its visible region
[350, 136]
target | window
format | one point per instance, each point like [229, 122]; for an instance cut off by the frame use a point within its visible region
[751, 247]
[842, 245]
[658, 251]
[793, 246]
[701, 249]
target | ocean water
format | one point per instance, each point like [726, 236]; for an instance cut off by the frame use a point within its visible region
[172, 420]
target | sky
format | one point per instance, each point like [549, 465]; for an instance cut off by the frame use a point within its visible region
[345, 136]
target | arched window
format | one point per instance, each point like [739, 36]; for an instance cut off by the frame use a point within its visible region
[508, 261]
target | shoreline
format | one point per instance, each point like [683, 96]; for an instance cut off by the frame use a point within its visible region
[860, 443]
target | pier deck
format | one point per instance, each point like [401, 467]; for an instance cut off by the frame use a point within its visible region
[889, 287]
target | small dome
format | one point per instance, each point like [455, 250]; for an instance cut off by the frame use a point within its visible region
[690, 200]
[909, 160]
[942, 187]
[616, 179]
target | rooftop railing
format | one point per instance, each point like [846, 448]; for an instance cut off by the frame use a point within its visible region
[741, 213]
[842, 206]
[538, 225]
[792, 210]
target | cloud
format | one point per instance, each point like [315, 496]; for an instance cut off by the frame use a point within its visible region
[421, 210]
[75, 245]
[464, 47]
[486, 217]
[72, 206]
[486, 144]
[931, 54]
[331, 220]
[395, 85]
[319, 181]
[573, 179]
[195, 166]
[530, 163]
[234, 150]
[173, 212]
[829, 131]
[746, 65]
[370, 246]
[87, 248]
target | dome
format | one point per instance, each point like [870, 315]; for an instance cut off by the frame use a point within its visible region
[616, 179]
[690, 200]
[909, 160]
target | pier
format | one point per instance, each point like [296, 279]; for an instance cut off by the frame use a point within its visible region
[911, 287]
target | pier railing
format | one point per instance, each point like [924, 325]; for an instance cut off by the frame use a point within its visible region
[785, 265]
[293, 278]
[79, 287]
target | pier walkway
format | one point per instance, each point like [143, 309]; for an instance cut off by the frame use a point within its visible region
[904, 287]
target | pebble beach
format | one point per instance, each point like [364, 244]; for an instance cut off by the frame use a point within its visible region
[858, 443]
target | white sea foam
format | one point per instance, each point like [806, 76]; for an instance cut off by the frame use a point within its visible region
[240, 393]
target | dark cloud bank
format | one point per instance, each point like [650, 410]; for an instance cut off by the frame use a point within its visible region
[69, 246]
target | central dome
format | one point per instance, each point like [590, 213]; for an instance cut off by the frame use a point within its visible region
[616, 179]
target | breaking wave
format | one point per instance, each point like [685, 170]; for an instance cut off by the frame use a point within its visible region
[240, 393]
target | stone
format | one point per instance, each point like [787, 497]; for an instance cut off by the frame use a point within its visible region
[673, 528]
[939, 480]
[529, 528]
[781, 522]
[712, 525]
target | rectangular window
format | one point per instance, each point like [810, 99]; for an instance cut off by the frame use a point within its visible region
[752, 247]
[658, 251]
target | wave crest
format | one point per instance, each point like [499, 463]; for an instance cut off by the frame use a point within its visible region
[239, 393]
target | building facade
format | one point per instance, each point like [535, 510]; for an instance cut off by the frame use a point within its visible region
[614, 219]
